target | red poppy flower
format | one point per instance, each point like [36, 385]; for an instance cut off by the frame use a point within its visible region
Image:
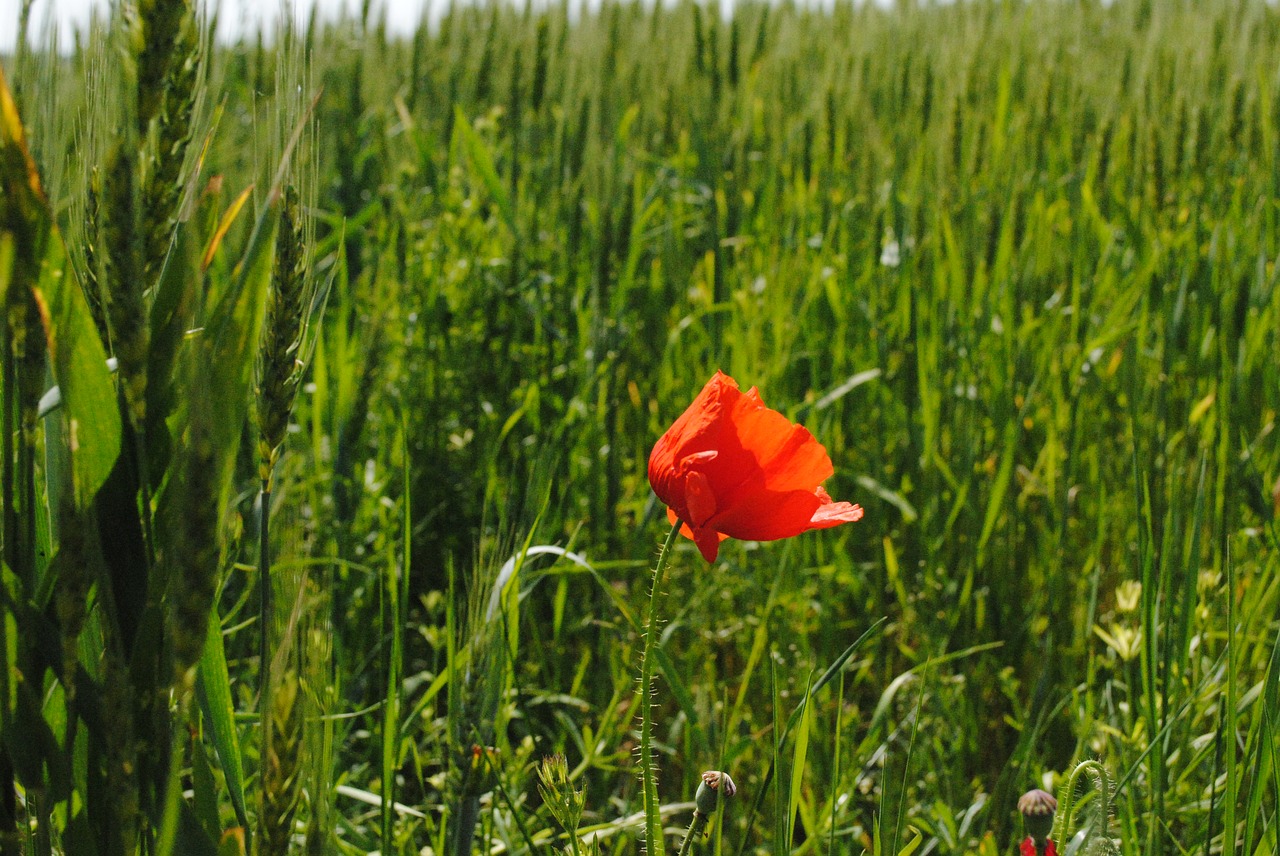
[730, 467]
[1028, 847]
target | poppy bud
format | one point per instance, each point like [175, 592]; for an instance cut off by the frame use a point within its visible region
[1037, 809]
[713, 784]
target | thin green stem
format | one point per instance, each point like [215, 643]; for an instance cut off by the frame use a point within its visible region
[648, 774]
[266, 612]
[835, 767]
[696, 826]
[266, 603]
[573, 843]
[9, 840]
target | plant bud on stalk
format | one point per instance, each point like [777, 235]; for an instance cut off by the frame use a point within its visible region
[707, 799]
[1037, 808]
[714, 783]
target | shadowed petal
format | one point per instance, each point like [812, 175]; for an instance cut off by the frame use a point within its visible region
[699, 498]
[766, 515]
[685, 529]
[787, 453]
[708, 541]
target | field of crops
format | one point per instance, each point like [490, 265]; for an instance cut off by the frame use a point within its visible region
[348, 546]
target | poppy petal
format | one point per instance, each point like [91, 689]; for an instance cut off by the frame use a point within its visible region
[708, 541]
[691, 439]
[731, 467]
[685, 529]
[834, 513]
[696, 423]
[786, 455]
[699, 498]
[799, 462]
[766, 515]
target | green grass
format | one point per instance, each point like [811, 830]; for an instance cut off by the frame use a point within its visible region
[1014, 264]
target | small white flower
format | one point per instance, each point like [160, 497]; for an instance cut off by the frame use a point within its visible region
[891, 255]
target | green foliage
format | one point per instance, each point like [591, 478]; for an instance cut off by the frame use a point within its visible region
[1012, 263]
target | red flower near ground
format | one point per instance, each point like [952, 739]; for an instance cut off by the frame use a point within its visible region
[1028, 847]
[730, 467]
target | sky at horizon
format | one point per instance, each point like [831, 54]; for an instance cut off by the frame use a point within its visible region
[235, 17]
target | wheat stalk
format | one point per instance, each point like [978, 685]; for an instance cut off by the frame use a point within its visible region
[282, 726]
[122, 266]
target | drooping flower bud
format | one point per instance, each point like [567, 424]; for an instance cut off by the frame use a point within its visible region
[1037, 808]
[714, 783]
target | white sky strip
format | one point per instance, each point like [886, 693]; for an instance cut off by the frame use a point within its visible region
[235, 17]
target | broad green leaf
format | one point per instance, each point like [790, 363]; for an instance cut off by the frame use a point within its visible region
[79, 363]
[171, 313]
[213, 689]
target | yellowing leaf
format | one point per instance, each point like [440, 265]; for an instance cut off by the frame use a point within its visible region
[224, 226]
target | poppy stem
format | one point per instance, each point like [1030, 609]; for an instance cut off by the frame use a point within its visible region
[654, 845]
[696, 826]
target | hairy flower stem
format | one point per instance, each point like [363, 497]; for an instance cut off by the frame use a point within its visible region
[648, 773]
[696, 826]
[1097, 831]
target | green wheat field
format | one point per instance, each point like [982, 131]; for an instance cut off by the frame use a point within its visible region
[332, 362]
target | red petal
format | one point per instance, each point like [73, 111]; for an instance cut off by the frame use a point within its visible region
[687, 437]
[699, 498]
[694, 424]
[731, 467]
[708, 541]
[766, 515]
[788, 455]
[685, 529]
[758, 449]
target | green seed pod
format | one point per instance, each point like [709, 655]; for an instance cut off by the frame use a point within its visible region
[714, 783]
[1037, 808]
